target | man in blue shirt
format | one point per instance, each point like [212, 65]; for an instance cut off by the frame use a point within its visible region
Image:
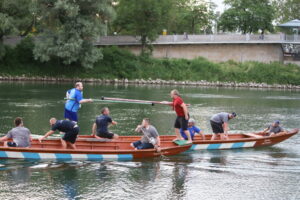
[193, 130]
[75, 98]
[70, 128]
[101, 125]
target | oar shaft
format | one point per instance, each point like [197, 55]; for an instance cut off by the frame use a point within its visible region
[137, 101]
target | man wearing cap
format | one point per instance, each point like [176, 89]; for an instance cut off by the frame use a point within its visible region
[219, 124]
[193, 130]
[273, 129]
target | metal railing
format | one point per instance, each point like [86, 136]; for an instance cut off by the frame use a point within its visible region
[189, 39]
[198, 39]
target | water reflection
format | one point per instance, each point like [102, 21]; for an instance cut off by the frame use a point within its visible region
[194, 175]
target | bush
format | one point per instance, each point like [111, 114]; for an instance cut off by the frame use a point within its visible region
[120, 63]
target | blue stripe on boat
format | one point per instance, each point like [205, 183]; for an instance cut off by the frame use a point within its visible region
[125, 157]
[3, 154]
[94, 157]
[238, 145]
[214, 146]
[193, 147]
[29, 155]
[63, 156]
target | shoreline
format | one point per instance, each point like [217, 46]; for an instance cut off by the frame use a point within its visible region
[151, 82]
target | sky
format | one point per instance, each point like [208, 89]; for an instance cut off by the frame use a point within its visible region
[220, 5]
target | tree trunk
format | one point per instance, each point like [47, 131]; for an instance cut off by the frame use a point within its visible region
[144, 43]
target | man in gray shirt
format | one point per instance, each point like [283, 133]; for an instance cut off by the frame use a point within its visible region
[273, 129]
[150, 138]
[20, 135]
[219, 124]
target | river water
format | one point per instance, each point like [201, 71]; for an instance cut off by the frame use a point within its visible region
[263, 173]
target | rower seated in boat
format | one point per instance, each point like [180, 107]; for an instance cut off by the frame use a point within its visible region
[150, 138]
[193, 129]
[20, 135]
[70, 128]
[101, 126]
[274, 129]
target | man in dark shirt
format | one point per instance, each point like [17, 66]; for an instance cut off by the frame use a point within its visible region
[70, 128]
[101, 125]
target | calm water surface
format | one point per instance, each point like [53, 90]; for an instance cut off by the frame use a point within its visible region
[264, 173]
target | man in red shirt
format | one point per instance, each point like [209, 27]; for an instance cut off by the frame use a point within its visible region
[182, 116]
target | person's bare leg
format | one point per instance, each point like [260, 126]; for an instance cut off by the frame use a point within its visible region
[213, 137]
[202, 136]
[63, 143]
[72, 146]
[5, 144]
[222, 136]
[178, 136]
[188, 134]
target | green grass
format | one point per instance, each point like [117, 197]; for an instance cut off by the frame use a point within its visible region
[121, 64]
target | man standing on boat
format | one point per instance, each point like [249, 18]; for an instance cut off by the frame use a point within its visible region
[70, 128]
[74, 99]
[219, 124]
[182, 118]
[20, 135]
[101, 125]
[150, 138]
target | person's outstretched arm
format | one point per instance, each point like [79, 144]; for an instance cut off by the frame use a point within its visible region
[46, 135]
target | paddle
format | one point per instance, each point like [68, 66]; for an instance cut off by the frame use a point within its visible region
[110, 99]
[121, 100]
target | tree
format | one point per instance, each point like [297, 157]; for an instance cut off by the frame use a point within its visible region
[16, 17]
[194, 16]
[143, 18]
[287, 10]
[247, 16]
[69, 28]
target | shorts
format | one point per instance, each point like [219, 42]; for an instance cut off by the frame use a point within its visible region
[216, 127]
[181, 122]
[12, 144]
[108, 135]
[71, 115]
[71, 135]
[140, 145]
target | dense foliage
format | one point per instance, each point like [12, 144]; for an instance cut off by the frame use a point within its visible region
[247, 16]
[121, 64]
[66, 29]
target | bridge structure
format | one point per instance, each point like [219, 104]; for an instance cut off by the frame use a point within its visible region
[217, 48]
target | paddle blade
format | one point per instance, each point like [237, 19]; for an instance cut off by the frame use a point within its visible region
[180, 142]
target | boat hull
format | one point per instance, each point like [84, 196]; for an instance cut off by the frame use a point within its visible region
[235, 141]
[93, 151]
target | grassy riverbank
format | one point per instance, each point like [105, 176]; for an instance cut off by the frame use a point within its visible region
[121, 64]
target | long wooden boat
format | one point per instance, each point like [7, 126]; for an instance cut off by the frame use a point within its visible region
[51, 149]
[238, 140]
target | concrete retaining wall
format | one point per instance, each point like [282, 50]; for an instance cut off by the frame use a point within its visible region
[217, 52]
